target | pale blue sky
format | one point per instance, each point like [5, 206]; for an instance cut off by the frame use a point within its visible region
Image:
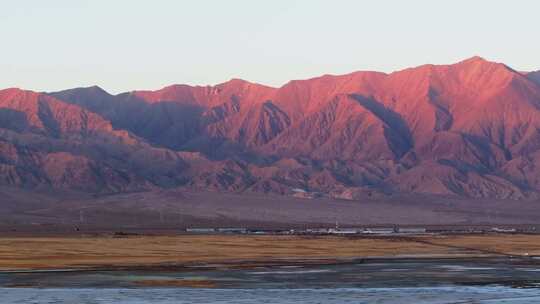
[123, 45]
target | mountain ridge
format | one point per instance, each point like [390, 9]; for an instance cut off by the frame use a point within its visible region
[467, 129]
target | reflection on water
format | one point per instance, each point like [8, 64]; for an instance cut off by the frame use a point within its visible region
[417, 295]
[428, 281]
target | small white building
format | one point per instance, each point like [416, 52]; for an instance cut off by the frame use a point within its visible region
[411, 230]
[232, 230]
[503, 230]
[200, 230]
[384, 230]
[344, 230]
[317, 230]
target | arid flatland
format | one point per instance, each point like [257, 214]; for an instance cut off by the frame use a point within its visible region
[21, 253]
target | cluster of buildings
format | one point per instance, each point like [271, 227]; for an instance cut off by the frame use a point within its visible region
[378, 230]
[394, 230]
[313, 231]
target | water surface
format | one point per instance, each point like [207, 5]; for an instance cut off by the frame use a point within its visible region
[404, 281]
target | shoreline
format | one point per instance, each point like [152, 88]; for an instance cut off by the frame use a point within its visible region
[279, 263]
[194, 276]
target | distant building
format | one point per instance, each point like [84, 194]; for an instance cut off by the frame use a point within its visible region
[259, 232]
[411, 230]
[200, 230]
[385, 230]
[317, 230]
[344, 230]
[232, 230]
[503, 230]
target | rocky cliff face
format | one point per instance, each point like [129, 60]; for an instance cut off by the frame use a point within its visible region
[469, 129]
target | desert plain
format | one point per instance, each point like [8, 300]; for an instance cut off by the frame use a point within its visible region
[107, 252]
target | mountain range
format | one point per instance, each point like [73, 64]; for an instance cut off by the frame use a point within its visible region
[469, 129]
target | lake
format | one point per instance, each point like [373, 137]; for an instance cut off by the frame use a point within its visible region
[375, 281]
